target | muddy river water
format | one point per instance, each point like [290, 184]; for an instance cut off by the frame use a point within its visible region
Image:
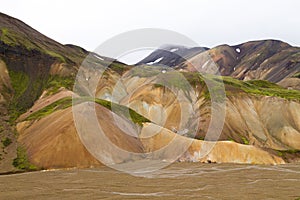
[178, 181]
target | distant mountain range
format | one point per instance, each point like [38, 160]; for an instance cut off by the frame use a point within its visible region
[37, 130]
[270, 60]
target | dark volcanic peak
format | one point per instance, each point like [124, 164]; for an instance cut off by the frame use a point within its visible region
[271, 60]
[171, 55]
[16, 33]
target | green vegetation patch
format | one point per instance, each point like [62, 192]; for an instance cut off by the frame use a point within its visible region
[19, 82]
[56, 82]
[146, 71]
[245, 141]
[12, 38]
[57, 105]
[290, 151]
[23, 98]
[174, 79]
[286, 153]
[233, 87]
[263, 84]
[257, 87]
[6, 141]
[55, 55]
[118, 67]
[195, 79]
[68, 101]
[297, 75]
[21, 161]
[26, 91]
[123, 111]
[242, 140]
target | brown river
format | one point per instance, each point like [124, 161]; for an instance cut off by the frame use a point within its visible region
[177, 181]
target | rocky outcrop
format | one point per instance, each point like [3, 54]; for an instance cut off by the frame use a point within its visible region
[166, 143]
[265, 121]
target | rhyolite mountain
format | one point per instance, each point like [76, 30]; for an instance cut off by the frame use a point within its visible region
[37, 129]
[30, 63]
[271, 60]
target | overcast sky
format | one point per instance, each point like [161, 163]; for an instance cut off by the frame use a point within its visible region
[208, 22]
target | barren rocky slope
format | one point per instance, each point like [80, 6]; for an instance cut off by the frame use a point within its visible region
[265, 115]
